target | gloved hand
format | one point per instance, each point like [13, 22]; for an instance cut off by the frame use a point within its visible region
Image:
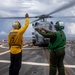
[26, 15]
[43, 29]
[36, 29]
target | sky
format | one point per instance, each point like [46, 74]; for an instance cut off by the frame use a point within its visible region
[17, 8]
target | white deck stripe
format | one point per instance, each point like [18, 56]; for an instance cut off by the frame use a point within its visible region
[3, 47]
[25, 45]
[7, 51]
[31, 48]
[4, 52]
[36, 64]
[70, 66]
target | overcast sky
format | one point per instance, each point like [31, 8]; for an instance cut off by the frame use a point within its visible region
[10, 8]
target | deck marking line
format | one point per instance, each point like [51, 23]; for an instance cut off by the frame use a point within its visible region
[37, 64]
[7, 51]
[31, 48]
[25, 45]
[4, 52]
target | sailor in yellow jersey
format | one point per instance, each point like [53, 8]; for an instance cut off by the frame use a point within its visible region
[15, 42]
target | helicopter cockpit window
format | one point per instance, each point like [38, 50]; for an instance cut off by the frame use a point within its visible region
[32, 24]
[36, 23]
[50, 25]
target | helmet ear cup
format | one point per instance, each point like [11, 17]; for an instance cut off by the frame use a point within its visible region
[59, 25]
[19, 25]
[56, 27]
[16, 25]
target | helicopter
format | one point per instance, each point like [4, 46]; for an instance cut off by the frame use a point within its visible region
[38, 39]
[41, 22]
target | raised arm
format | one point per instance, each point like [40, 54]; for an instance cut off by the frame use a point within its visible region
[23, 29]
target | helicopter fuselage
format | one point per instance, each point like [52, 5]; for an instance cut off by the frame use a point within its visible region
[37, 38]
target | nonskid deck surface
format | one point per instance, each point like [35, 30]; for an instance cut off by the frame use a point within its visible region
[35, 61]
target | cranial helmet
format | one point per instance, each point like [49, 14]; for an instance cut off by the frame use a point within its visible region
[16, 25]
[59, 25]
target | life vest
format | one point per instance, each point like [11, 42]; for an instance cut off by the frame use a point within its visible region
[59, 43]
[15, 39]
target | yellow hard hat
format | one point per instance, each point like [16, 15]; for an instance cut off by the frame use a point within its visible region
[16, 25]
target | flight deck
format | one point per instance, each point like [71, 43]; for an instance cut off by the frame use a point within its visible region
[35, 60]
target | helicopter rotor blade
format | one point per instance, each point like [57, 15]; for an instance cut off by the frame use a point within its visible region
[66, 6]
[16, 17]
[52, 17]
[61, 16]
[36, 20]
[12, 17]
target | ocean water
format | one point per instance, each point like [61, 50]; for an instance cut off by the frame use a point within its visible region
[30, 38]
[5, 38]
